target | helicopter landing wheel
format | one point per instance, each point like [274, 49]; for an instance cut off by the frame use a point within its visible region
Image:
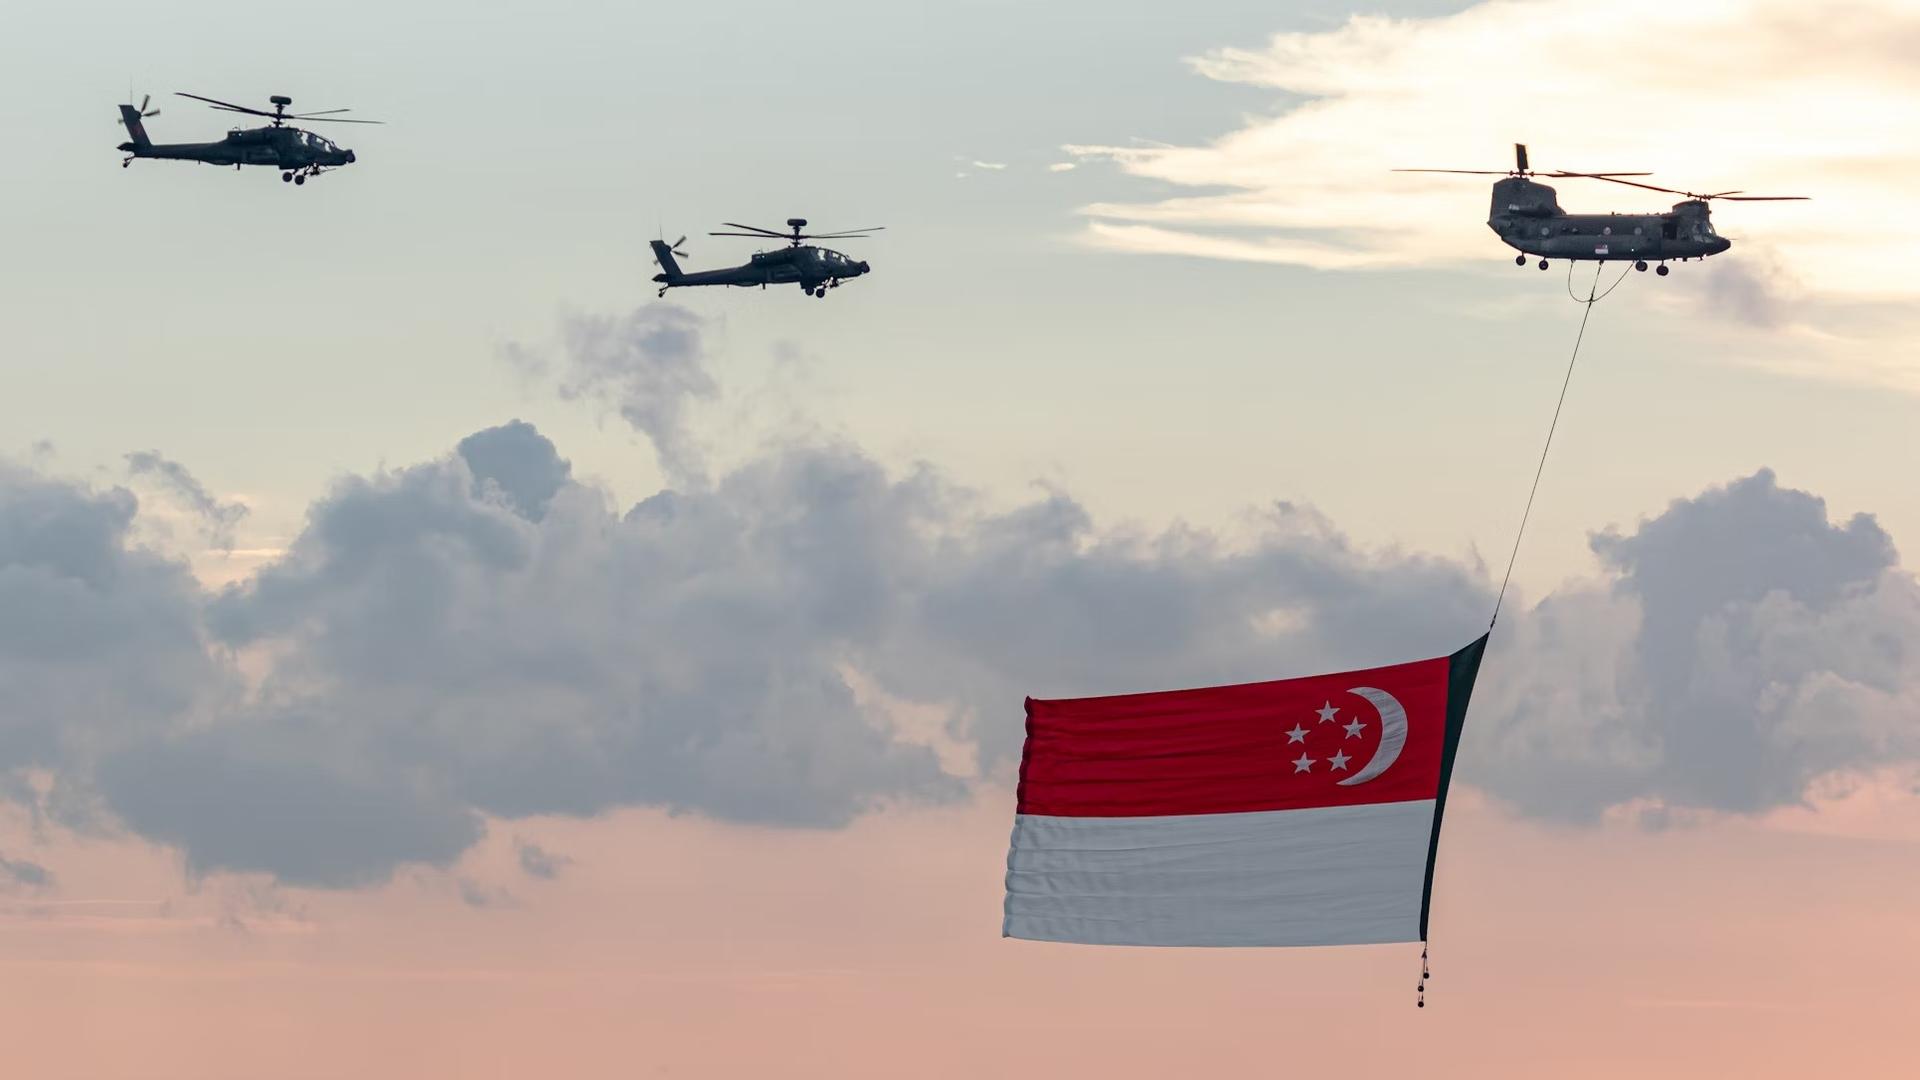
[301, 179]
[1661, 270]
[1543, 264]
[1519, 260]
[285, 176]
[820, 293]
[1639, 264]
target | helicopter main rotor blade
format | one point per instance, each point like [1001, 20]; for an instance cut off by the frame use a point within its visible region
[222, 104]
[754, 235]
[1611, 179]
[316, 112]
[1510, 172]
[832, 236]
[333, 120]
[1729, 196]
[754, 228]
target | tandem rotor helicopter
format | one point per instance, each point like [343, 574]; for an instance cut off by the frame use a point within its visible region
[814, 269]
[1527, 217]
[297, 154]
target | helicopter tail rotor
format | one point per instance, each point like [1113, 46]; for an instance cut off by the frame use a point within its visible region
[664, 255]
[130, 117]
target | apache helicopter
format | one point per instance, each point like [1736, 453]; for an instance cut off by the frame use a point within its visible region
[1527, 217]
[814, 269]
[298, 154]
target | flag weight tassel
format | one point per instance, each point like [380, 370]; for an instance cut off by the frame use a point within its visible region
[1420, 999]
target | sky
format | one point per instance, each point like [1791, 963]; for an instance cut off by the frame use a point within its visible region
[423, 651]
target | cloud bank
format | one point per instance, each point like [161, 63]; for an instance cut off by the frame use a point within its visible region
[482, 636]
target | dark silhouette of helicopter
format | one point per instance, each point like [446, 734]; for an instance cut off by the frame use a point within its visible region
[297, 154]
[814, 269]
[1527, 216]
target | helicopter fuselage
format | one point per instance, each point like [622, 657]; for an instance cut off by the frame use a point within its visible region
[811, 268]
[1527, 217]
[275, 146]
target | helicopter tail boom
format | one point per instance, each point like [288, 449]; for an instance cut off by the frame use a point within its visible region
[663, 254]
[136, 131]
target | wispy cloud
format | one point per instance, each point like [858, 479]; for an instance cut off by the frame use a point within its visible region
[217, 519]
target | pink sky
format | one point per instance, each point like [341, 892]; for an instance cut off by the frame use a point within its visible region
[678, 947]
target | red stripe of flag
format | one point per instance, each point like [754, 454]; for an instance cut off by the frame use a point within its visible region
[1257, 746]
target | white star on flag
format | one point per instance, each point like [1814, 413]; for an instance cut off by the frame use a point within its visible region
[1297, 735]
[1354, 728]
[1327, 712]
[1303, 763]
[1338, 760]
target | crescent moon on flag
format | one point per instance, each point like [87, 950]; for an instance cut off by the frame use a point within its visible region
[1393, 734]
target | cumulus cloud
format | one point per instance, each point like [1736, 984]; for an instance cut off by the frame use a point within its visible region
[217, 519]
[518, 464]
[1771, 96]
[1743, 647]
[647, 365]
[98, 638]
[309, 799]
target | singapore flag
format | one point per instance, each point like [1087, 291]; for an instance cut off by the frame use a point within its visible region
[1299, 812]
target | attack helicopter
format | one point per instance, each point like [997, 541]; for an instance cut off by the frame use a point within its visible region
[1527, 216]
[814, 269]
[297, 154]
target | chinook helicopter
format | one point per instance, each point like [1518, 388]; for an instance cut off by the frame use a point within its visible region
[814, 269]
[297, 154]
[1527, 216]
